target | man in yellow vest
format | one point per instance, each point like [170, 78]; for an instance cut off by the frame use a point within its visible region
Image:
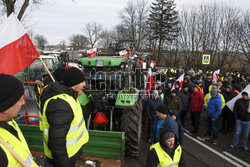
[64, 128]
[167, 152]
[11, 100]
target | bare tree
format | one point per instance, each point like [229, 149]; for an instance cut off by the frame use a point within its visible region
[78, 41]
[9, 6]
[133, 22]
[40, 41]
[93, 31]
[62, 45]
[106, 40]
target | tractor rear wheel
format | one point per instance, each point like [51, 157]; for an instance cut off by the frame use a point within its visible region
[131, 124]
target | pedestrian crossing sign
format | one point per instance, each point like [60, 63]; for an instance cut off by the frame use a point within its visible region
[206, 59]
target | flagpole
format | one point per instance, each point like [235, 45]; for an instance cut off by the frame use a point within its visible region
[47, 69]
[14, 154]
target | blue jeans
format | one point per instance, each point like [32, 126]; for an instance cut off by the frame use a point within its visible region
[46, 163]
[244, 127]
[212, 127]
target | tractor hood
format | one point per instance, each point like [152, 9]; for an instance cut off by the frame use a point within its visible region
[99, 61]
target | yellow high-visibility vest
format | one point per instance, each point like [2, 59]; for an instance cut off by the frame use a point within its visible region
[77, 135]
[208, 96]
[19, 146]
[164, 158]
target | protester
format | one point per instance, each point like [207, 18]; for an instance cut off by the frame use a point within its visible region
[166, 152]
[185, 99]
[174, 102]
[11, 100]
[61, 113]
[195, 106]
[153, 102]
[163, 120]
[160, 92]
[242, 115]
[213, 111]
[175, 115]
[226, 112]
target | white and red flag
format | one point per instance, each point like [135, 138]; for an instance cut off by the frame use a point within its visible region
[91, 52]
[123, 53]
[230, 103]
[16, 48]
[180, 80]
[216, 75]
[150, 81]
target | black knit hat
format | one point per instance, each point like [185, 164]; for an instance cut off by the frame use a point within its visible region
[58, 73]
[162, 108]
[11, 91]
[72, 77]
[244, 94]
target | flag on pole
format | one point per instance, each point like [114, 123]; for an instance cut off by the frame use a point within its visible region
[216, 75]
[91, 52]
[16, 48]
[180, 80]
[123, 53]
[150, 81]
[230, 104]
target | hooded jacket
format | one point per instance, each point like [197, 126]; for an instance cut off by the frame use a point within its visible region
[240, 110]
[180, 127]
[152, 158]
[169, 123]
[152, 105]
[185, 99]
[214, 107]
[59, 116]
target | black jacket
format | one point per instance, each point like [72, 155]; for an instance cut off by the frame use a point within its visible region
[153, 160]
[59, 115]
[240, 110]
[185, 99]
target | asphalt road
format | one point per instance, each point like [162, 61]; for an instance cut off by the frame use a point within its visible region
[199, 152]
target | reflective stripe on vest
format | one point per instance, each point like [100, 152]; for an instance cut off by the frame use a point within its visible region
[40, 115]
[19, 146]
[164, 159]
[77, 134]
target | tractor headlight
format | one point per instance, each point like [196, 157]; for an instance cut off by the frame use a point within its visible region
[122, 66]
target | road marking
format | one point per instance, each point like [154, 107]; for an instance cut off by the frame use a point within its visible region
[237, 159]
[214, 151]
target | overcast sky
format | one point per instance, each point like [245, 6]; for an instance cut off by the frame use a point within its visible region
[59, 19]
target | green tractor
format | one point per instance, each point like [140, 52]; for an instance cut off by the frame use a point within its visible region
[111, 80]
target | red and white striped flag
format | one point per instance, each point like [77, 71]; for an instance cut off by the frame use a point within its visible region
[216, 75]
[123, 53]
[150, 81]
[91, 52]
[180, 80]
[16, 48]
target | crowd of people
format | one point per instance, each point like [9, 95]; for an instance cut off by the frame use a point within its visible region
[200, 91]
[64, 130]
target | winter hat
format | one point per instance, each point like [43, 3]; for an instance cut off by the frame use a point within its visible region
[184, 86]
[72, 77]
[159, 88]
[199, 81]
[58, 73]
[244, 94]
[174, 91]
[162, 108]
[166, 134]
[11, 91]
[213, 92]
